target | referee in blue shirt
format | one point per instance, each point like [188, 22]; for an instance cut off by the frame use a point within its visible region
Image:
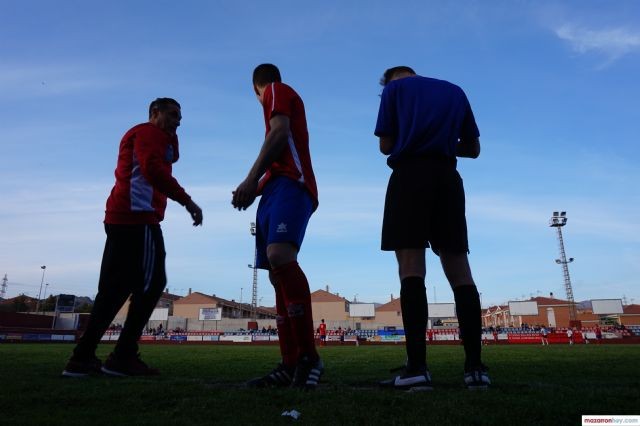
[423, 125]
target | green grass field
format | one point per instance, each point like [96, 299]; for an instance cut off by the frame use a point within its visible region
[202, 385]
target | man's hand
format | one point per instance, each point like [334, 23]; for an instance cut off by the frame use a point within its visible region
[245, 194]
[195, 212]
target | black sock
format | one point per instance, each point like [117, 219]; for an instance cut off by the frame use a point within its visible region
[468, 312]
[413, 301]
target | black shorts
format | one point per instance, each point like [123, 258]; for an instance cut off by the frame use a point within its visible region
[425, 207]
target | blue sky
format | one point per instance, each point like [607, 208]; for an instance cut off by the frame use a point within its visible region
[553, 86]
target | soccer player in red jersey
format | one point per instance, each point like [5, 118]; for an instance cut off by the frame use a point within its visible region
[133, 263]
[283, 175]
[323, 332]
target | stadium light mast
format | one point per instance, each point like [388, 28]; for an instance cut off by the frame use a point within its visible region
[254, 291]
[44, 268]
[44, 295]
[3, 289]
[558, 220]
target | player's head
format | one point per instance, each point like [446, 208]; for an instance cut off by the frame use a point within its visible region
[263, 75]
[396, 73]
[162, 104]
[165, 113]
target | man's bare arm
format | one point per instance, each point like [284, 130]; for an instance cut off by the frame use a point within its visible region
[386, 144]
[272, 147]
[468, 148]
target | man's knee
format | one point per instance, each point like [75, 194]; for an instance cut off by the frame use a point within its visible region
[295, 310]
[279, 254]
[456, 268]
[411, 263]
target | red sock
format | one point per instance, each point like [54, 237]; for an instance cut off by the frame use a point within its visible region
[286, 338]
[295, 288]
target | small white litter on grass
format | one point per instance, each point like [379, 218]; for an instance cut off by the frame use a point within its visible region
[295, 415]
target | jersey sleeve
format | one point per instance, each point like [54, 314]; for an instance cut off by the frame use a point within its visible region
[387, 123]
[469, 128]
[153, 156]
[278, 98]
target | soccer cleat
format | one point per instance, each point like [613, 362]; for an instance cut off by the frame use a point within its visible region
[477, 378]
[125, 367]
[82, 368]
[307, 374]
[411, 379]
[281, 376]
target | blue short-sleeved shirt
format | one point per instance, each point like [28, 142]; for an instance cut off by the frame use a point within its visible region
[424, 116]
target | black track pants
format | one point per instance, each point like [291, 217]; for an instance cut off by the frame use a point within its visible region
[133, 264]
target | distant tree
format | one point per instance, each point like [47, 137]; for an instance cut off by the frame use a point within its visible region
[85, 308]
[21, 304]
[49, 304]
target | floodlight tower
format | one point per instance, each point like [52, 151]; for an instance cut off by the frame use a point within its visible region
[44, 268]
[558, 220]
[254, 293]
[3, 289]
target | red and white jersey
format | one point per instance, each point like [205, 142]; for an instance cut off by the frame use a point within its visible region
[295, 160]
[323, 329]
[143, 177]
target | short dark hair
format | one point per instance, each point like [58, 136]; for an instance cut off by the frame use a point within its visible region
[391, 72]
[265, 74]
[162, 104]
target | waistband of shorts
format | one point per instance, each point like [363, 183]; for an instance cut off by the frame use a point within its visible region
[425, 158]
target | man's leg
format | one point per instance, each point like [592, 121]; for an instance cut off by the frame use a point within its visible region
[286, 338]
[413, 301]
[113, 289]
[287, 208]
[293, 283]
[146, 294]
[287, 274]
[458, 272]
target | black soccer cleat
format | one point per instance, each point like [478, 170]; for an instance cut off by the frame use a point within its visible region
[125, 367]
[477, 378]
[308, 373]
[414, 380]
[281, 376]
[82, 368]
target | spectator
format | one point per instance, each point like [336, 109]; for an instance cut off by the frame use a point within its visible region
[544, 333]
[598, 334]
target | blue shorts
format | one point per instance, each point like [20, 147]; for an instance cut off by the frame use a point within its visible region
[282, 217]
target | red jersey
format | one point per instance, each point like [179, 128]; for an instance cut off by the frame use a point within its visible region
[323, 329]
[295, 160]
[143, 177]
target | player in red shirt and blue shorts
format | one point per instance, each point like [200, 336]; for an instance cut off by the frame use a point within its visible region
[283, 175]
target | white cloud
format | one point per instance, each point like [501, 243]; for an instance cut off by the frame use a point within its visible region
[587, 216]
[613, 42]
[41, 80]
